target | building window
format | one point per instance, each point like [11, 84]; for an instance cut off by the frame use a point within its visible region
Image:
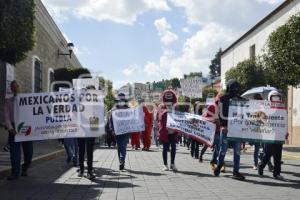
[37, 75]
[252, 52]
[50, 78]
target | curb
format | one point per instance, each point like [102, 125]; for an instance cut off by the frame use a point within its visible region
[35, 161]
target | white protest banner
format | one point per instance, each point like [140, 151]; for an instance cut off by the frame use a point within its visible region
[191, 88]
[85, 82]
[257, 121]
[128, 120]
[192, 125]
[42, 116]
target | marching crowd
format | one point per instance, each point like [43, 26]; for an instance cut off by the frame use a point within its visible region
[155, 118]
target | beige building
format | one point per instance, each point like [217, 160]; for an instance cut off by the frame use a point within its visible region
[252, 43]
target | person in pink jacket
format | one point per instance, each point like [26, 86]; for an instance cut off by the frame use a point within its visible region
[167, 137]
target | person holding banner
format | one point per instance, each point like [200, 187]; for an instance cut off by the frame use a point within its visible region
[122, 139]
[232, 93]
[86, 144]
[211, 114]
[273, 149]
[15, 147]
[167, 137]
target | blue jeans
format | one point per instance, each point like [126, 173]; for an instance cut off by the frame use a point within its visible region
[236, 152]
[71, 147]
[122, 141]
[15, 154]
[216, 147]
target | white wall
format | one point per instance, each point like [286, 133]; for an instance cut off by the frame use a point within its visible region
[241, 51]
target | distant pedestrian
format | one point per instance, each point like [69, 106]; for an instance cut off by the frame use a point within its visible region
[146, 135]
[15, 147]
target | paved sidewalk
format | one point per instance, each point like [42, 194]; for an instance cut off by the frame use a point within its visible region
[54, 180]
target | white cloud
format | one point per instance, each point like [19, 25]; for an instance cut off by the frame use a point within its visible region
[238, 14]
[197, 51]
[163, 28]
[128, 71]
[119, 11]
[269, 1]
[185, 30]
[152, 70]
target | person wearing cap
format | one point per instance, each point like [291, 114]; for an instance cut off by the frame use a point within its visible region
[232, 93]
[167, 137]
[122, 140]
[274, 149]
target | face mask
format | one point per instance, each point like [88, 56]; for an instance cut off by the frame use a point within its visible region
[275, 98]
[121, 103]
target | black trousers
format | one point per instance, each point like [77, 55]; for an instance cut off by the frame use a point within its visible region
[166, 145]
[194, 148]
[88, 145]
[274, 150]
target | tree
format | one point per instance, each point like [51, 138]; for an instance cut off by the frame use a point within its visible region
[175, 83]
[249, 73]
[282, 58]
[215, 66]
[109, 99]
[16, 35]
[68, 74]
[17, 29]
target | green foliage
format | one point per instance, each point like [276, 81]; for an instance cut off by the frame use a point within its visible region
[215, 67]
[68, 74]
[16, 29]
[249, 74]
[282, 59]
[109, 99]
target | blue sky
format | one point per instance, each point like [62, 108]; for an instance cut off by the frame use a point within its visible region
[147, 40]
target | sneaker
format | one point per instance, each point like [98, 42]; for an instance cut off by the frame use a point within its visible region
[12, 177]
[260, 170]
[121, 167]
[24, 173]
[172, 167]
[80, 173]
[212, 165]
[278, 177]
[6, 148]
[223, 169]
[90, 175]
[238, 176]
[271, 168]
[165, 168]
[200, 159]
[254, 167]
[217, 171]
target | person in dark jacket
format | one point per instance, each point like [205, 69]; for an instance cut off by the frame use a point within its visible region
[232, 93]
